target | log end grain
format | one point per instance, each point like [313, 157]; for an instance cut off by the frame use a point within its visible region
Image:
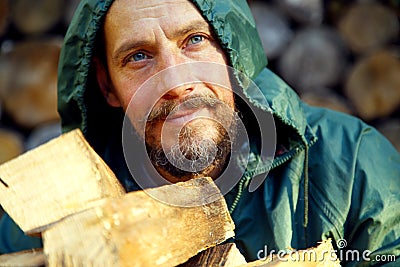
[68, 176]
[373, 85]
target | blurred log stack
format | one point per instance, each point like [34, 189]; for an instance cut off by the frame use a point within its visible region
[338, 54]
[343, 55]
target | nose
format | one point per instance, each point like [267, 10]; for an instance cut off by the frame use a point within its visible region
[178, 92]
[176, 75]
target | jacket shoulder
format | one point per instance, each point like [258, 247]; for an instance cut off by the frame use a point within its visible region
[355, 180]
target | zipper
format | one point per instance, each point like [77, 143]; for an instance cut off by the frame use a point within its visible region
[249, 174]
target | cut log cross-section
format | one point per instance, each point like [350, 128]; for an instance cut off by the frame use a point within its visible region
[59, 178]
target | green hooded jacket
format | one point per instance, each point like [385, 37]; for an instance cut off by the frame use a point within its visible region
[335, 177]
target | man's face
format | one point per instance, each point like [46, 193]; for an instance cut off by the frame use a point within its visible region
[145, 37]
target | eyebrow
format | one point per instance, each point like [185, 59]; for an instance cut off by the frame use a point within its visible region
[197, 25]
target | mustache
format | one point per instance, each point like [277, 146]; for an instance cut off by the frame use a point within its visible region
[189, 102]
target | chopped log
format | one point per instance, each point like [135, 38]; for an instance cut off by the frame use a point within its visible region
[224, 255]
[373, 85]
[368, 26]
[38, 18]
[323, 255]
[28, 82]
[303, 11]
[327, 99]
[11, 145]
[139, 230]
[391, 129]
[59, 178]
[4, 16]
[272, 27]
[31, 258]
[314, 59]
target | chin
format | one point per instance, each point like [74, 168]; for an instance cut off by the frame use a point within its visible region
[201, 150]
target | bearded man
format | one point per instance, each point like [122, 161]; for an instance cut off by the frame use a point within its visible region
[189, 80]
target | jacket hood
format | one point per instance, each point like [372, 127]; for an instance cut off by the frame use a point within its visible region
[81, 104]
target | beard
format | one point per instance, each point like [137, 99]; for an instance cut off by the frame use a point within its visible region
[203, 146]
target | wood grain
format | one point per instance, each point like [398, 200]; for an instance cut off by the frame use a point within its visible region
[139, 230]
[59, 178]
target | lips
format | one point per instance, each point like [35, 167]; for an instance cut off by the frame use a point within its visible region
[183, 116]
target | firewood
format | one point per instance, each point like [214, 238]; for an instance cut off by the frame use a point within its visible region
[11, 144]
[4, 16]
[223, 255]
[140, 230]
[273, 28]
[31, 258]
[368, 26]
[314, 59]
[323, 255]
[303, 11]
[35, 19]
[373, 85]
[28, 82]
[57, 179]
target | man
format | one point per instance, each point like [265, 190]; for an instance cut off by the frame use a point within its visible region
[332, 176]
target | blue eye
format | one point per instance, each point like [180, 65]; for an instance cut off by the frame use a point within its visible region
[139, 56]
[196, 39]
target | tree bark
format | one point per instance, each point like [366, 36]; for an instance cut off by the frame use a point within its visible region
[224, 255]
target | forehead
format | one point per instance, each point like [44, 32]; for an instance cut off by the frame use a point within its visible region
[148, 11]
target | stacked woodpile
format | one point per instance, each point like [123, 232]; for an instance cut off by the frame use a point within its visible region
[338, 54]
[343, 55]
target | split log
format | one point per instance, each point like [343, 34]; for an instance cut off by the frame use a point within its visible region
[373, 85]
[323, 255]
[272, 27]
[368, 26]
[28, 82]
[314, 59]
[11, 145]
[31, 258]
[59, 178]
[224, 255]
[327, 99]
[4, 16]
[140, 230]
[35, 19]
[303, 11]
